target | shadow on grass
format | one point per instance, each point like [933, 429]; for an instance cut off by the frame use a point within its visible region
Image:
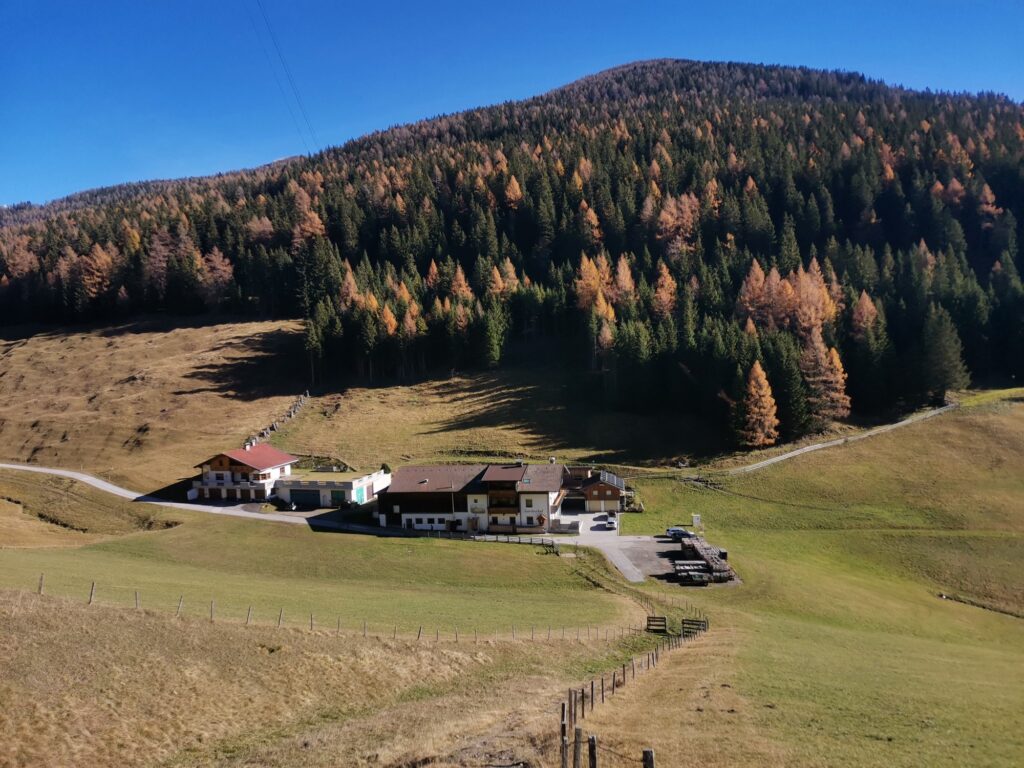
[555, 411]
[268, 365]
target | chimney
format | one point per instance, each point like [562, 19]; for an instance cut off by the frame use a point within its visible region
[248, 446]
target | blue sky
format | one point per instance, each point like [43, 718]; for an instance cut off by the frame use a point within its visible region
[111, 91]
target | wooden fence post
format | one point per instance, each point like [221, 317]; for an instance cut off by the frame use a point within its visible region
[456, 634]
[211, 611]
[633, 662]
[136, 599]
[592, 751]
[311, 622]
[181, 599]
[280, 618]
[419, 633]
[364, 627]
[564, 761]
[42, 577]
[602, 689]
[592, 700]
[577, 748]
[92, 593]
[648, 758]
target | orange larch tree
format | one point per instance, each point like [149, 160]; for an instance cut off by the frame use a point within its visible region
[760, 424]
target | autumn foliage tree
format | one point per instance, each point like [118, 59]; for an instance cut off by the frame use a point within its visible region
[759, 423]
[674, 221]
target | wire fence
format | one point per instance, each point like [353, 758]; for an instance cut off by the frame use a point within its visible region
[583, 700]
[258, 613]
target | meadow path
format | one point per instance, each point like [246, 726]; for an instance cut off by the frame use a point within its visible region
[841, 440]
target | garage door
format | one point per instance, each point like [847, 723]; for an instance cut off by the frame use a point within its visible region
[310, 499]
[573, 505]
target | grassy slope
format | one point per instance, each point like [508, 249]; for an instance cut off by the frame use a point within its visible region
[840, 650]
[530, 411]
[142, 403]
[238, 563]
[102, 687]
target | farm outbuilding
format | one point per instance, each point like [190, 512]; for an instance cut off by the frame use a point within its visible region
[320, 489]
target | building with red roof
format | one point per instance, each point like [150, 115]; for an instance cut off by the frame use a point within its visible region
[243, 474]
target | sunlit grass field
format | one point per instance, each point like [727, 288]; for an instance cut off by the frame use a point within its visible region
[838, 642]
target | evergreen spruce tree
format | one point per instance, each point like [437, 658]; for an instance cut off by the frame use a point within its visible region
[942, 364]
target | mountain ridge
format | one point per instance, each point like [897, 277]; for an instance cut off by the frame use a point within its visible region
[680, 227]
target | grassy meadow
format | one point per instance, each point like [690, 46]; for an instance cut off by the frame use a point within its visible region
[531, 411]
[439, 584]
[142, 403]
[836, 649]
[102, 687]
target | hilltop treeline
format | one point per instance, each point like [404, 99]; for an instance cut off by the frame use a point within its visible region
[772, 245]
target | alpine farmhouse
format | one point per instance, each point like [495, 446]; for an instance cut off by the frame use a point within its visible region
[495, 498]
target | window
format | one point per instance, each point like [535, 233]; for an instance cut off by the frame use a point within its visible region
[594, 494]
[430, 521]
[419, 521]
[512, 520]
[529, 503]
[529, 520]
[607, 493]
[394, 508]
[494, 521]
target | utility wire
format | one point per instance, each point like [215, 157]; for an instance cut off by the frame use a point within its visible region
[277, 79]
[288, 74]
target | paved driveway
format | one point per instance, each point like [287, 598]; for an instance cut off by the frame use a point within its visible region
[626, 553]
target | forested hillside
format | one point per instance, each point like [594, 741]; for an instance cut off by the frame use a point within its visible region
[771, 246]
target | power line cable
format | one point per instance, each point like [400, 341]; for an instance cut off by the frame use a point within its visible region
[277, 79]
[288, 74]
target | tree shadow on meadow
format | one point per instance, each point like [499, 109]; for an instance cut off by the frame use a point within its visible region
[267, 365]
[554, 415]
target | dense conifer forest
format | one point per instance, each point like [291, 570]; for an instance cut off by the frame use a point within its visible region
[775, 247]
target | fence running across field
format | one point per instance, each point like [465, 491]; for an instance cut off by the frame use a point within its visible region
[580, 701]
[98, 593]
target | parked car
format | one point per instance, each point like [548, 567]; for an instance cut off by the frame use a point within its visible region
[610, 524]
[677, 532]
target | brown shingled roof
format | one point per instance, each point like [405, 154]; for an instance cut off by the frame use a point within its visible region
[504, 473]
[431, 479]
[542, 478]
